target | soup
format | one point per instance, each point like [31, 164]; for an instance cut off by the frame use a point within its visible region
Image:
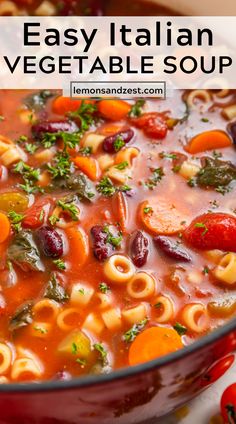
[118, 229]
[83, 7]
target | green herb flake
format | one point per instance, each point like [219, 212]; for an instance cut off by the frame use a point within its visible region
[205, 120]
[115, 241]
[60, 264]
[102, 351]
[118, 143]
[103, 287]
[136, 109]
[31, 148]
[157, 175]
[81, 362]
[84, 114]
[147, 210]
[69, 207]
[181, 330]
[131, 334]
[53, 219]
[41, 329]
[203, 226]
[74, 348]
[170, 156]
[106, 187]
[61, 167]
[16, 219]
[205, 270]
[121, 166]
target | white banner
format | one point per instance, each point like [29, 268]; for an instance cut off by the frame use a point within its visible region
[183, 52]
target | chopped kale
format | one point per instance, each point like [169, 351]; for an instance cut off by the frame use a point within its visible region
[38, 100]
[22, 317]
[216, 173]
[24, 252]
[55, 290]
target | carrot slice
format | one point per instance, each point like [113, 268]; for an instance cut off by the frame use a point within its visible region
[63, 105]
[78, 245]
[208, 140]
[121, 210]
[110, 129]
[114, 109]
[160, 217]
[153, 343]
[5, 227]
[89, 166]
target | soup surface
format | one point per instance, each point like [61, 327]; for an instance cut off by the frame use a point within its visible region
[118, 229]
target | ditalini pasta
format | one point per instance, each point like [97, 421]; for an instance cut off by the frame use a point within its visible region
[115, 232]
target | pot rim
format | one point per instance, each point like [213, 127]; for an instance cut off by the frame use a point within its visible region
[129, 371]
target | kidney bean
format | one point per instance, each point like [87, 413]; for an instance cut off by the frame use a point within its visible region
[101, 250]
[38, 130]
[171, 249]
[50, 241]
[109, 143]
[139, 249]
[232, 131]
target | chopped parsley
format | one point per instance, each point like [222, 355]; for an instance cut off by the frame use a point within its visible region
[181, 330]
[103, 287]
[80, 361]
[118, 143]
[30, 176]
[124, 188]
[42, 330]
[203, 226]
[136, 109]
[106, 187]
[121, 166]
[70, 140]
[31, 148]
[156, 177]
[60, 264]
[102, 351]
[171, 156]
[130, 335]
[205, 120]
[115, 241]
[53, 219]
[74, 348]
[205, 270]
[147, 210]
[192, 182]
[86, 151]
[69, 207]
[62, 166]
[16, 219]
[158, 305]
[85, 115]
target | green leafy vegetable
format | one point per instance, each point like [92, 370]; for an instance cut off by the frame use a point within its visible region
[62, 166]
[22, 317]
[85, 115]
[106, 187]
[30, 176]
[216, 173]
[24, 252]
[38, 100]
[70, 207]
[55, 290]
[102, 351]
[181, 330]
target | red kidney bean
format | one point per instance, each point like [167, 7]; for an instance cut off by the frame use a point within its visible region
[109, 143]
[50, 241]
[139, 249]
[232, 131]
[171, 249]
[38, 130]
[101, 249]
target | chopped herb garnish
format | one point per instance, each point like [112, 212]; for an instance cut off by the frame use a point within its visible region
[130, 335]
[85, 115]
[136, 109]
[164, 155]
[118, 143]
[147, 210]
[156, 177]
[124, 188]
[41, 215]
[36, 101]
[223, 190]
[81, 291]
[102, 351]
[53, 219]
[103, 287]
[30, 176]
[205, 270]
[158, 305]
[15, 219]
[115, 241]
[42, 330]
[62, 166]
[106, 187]
[192, 182]
[74, 348]
[205, 120]
[80, 361]
[60, 264]
[69, 207]
[121, 166]
[203, 226]
[86, 151]
[31, 148]
[181, 330]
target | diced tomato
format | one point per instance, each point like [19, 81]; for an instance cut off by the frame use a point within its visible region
[228, 404]
[153, 124]
[212, 231]
[37, 215]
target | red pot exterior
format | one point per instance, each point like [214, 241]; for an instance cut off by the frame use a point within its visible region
[130, 399]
